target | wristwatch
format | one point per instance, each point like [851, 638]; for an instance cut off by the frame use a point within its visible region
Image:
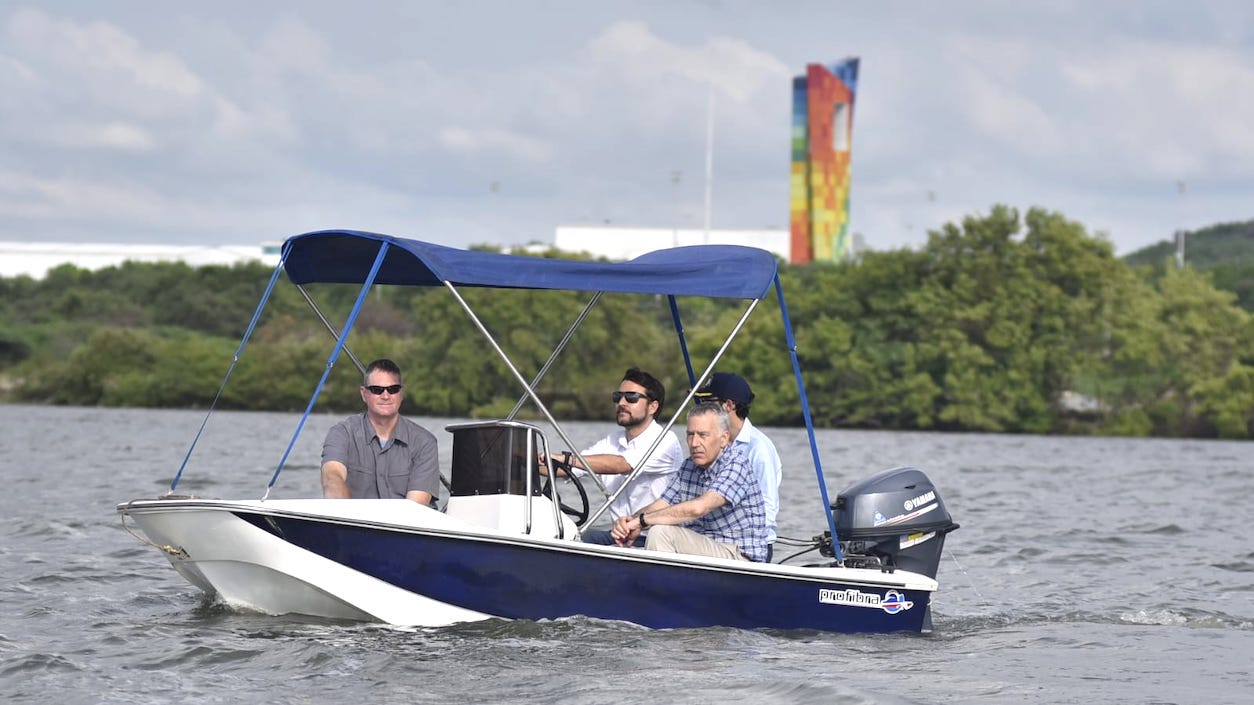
[640, 518]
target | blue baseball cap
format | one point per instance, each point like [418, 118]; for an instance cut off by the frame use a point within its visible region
[725, 385]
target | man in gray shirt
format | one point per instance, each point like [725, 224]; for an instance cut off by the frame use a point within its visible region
[378, 454]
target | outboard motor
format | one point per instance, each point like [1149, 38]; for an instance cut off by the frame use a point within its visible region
[894, 519]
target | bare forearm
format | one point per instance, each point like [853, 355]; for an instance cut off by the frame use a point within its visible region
[335, 481]
[678, 514]
[627, 528]
[608, 464]
[423, 498]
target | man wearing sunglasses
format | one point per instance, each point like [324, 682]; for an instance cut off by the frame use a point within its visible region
[638, 399]
[733, 394]
[378, 454]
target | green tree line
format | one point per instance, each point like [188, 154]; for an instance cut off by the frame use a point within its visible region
[1000, 323]
[1225, 251]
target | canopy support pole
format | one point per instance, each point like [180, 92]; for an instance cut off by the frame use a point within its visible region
[683, 342]
[805, 410]
[239, 352]
[331, 360]
[561, 346]
[518, 375]
[335, 335]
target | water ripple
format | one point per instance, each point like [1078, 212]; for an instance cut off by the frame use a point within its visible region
[1083, 572]
[37, 662]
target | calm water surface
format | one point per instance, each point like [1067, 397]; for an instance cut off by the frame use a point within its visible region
[1085, 571]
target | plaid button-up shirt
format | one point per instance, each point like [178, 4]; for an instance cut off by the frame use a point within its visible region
[742, 520]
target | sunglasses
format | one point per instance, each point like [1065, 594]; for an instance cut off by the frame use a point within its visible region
[631, 397]
[376, 389]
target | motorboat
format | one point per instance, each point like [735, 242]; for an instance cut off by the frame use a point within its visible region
[505, 542]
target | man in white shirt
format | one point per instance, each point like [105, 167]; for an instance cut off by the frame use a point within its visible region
[637, 401]
[732, 392]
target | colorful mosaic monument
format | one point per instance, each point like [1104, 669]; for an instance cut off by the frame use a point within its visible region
[822, 131]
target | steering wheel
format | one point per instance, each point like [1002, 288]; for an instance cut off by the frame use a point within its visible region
[578, 514]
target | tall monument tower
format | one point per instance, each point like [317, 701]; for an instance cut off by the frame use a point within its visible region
[822, 132]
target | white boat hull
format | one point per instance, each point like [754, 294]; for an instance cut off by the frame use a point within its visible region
[444, 570]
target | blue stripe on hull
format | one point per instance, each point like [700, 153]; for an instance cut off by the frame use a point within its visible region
[520, 580]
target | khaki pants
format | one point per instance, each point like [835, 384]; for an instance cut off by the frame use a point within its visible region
[677, 539]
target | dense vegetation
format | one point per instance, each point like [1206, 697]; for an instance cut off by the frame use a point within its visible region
[1225, 251]
[1000, 323]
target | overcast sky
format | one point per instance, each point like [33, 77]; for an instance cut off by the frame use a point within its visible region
[468, 122]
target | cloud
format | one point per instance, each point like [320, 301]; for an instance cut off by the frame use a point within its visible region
[111, 135]
[220, 121]
[993, 84]
[28, 196]
[103, 57]
[737, 70]
[460, 139]
[1171, 111]
[292, 117]
[293, 45]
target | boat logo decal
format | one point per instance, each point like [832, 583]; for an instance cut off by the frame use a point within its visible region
[892, 602]
[903, 518]
[879, 518]
[895, 602]
[920, 500]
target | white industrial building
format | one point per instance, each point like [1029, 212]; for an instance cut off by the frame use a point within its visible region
[34, 259]
[619, 243]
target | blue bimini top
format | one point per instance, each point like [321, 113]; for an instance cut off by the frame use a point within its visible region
[346, 256]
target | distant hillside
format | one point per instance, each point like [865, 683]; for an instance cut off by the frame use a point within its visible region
[1226, 251]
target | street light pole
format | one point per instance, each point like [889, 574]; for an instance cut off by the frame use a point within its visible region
[676, 176]
[709, 162]
[1181, 187]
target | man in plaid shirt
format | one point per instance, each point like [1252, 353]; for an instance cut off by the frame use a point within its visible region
[713, 506]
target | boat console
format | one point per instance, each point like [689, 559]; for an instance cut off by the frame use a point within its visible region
[495, 480]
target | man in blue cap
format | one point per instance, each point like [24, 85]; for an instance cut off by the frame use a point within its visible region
[732, 392]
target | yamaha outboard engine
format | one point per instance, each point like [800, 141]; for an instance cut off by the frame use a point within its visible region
[894, 519]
